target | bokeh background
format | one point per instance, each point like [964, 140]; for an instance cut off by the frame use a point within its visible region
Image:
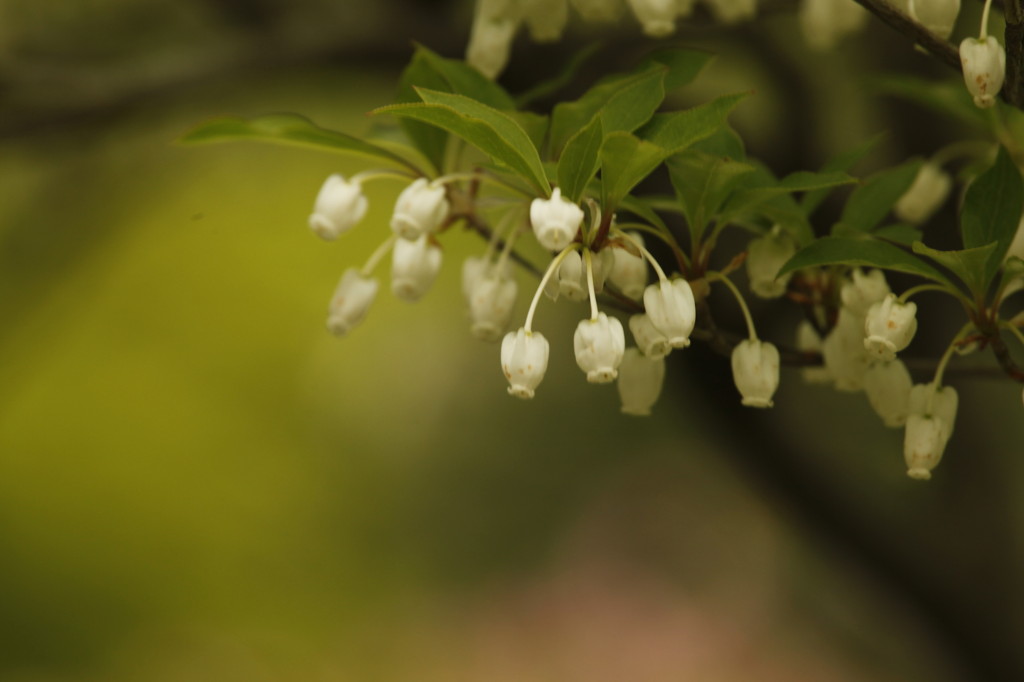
[198, 483]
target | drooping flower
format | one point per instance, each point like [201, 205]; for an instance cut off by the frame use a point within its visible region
[809, 341]
[414, 267]
[351, 301]
[629, 270]
[572, 274]
[657, 17]
[755, 369]
[490, 39]
[491, 302]
[420, 210]
[938, 16]
[887, 385]
[889, 327]
[546, 19]
[599, 344]
[843, 350]
[863, 290]
[672, 310]
[931, 413]
[649, 339]
[925, 195]
[984, 67]
[640, 381]
[524, 359]
[765, 257]
[339, 205]
[555, 221]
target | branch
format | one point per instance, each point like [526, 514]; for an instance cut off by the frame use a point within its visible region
[943, 50]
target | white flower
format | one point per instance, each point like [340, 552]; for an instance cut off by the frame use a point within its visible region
[490, 305]
[420, 210]
[843, 351]
[931, 413]
[755, 369]
[490, 39]
[546, 19]
[524, 359]
[599, 344]
[732, 11]
[938, 16]
[414, 267]
[658, 17]
[863, 290]
[649, 339]
[350, 302]
[809, 341]
[598, 10]
[984, 66]
[629, 270]
[339, 206]
[924, 196]
[475, 267]
[887, 385]
[765, 257]
[672, 310]
[824, 22]
[889, 327]
[640, 381]
[555, 221]
[572, 274]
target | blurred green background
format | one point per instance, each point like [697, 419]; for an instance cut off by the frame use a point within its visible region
[197, 482]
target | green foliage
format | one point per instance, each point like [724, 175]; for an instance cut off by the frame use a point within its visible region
[678, 130]
[871, 202]
[992, 212]
[702, 182]
[967, 264]
[580, 160]
[625, 161]
[864, 252]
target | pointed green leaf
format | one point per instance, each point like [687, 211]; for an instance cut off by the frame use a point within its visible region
[843, 161]
[289, 129]
[625, 161]
[463, 79]
[562, 78]
[992, 210]
[684, 65]
[702, 182]
[642, 209]
[676, 131]
[429, 140]
[899, 233]
[946, 97]
[864, 252]
[967, 264]
[493, 132]
[580, 160]
[748, 199]
[872, 201]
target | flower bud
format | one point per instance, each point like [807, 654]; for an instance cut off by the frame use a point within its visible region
[672, 310]
[555, 221]
[651, 342]
[598, 10]
[984, 66]
[755, 369]
[863, 290]
[889, 327]
[490, 306]
[809, 341]
[490, 39]
[925, 195]
[350, 302]
[524, 359]
[765, 257]
[414, 267]
[640, 381]
[629, 270]
[572, 277]
[931, 413]
[420, 210]
[843, 351]
[887, 385]
[599, 344]
[338, 207]
[938, 16]
[657, 17]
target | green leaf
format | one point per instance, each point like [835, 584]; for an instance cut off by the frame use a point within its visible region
[676, 131]
[843, 161]
[563, 78]
[946, 97]
[865, 252]
[684, 65]
[992, 210]
[429, 140]
[872, 201]
[493, 132]
[642, 209]
[623, 102]
[967, 264]
[535, 125]
[289, 129]
[702, 182]
[625, 161]
[723, 142]
[580, 160]
[899, 233]
[803, 181]
[463, 79]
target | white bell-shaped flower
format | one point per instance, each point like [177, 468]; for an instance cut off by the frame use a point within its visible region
[938, 16]
[640, 381]
[863, 290]
[925, 195]
[889, 327]
[414, 267]
[931, 413]
[984, 67]
[351, 301]
[672, 310]
[649, 339]
[490, 38]
[657, 17]
[765, 257]
[732, 11]
[843, 350]
[824, 22]
[339, 205]
[555, 221]
[599, 344]
[887, 385]
[755, 369]
[598, 10]
[572, 277]
[420, 210]
[524, 359]
[809, 341]
[475, 267]
[546, 19]
[629, 270]
[490, 306]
